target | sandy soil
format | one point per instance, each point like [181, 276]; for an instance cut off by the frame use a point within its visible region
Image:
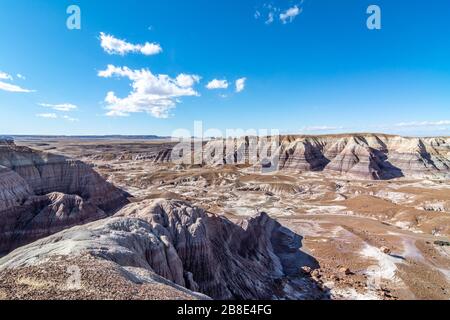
[99, 280]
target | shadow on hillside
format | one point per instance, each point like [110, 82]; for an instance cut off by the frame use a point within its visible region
[384, 169]
[295, 261]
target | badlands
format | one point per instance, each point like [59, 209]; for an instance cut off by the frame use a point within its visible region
[357, 216]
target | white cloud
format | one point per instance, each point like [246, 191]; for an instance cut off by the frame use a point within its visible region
[154, 94]
[321, 128]
[217, 84]
[47, 115]
[113, 45]
[5, 76]
[240, 84]
[423, 124]
[187, 80]
[273, 12]
[290, 14]
[70, 118]
[60, 107]
[20, 76]
[55, 116]
[270, 18]
[150, 49]
[13, 88]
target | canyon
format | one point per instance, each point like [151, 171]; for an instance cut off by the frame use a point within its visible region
[42, 193]
[357, 216]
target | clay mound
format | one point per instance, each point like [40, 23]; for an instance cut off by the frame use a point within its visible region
[366, 156]
[46, 173]
[52, 213]
[13, 189]
[255, 259]
[42, 193]
[248, 260]
[304, 156]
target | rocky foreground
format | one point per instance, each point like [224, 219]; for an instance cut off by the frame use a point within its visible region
[169, 244]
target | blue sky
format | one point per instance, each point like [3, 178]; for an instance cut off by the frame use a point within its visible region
[316, 70]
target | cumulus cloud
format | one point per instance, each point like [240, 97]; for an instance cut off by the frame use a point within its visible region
[47, 115]
[187, 80]
[217, 84]
[13, 88]
[290, 14]
[113, 45]
[60, 107]
[240, 84]
[154, 94]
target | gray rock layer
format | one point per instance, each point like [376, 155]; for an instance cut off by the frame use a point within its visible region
[189, 247]
[42, 193]
[367, 156]
[247, 260]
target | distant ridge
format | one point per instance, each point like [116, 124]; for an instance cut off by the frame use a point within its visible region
[156, 137]
[365, 155]
[89, 137]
